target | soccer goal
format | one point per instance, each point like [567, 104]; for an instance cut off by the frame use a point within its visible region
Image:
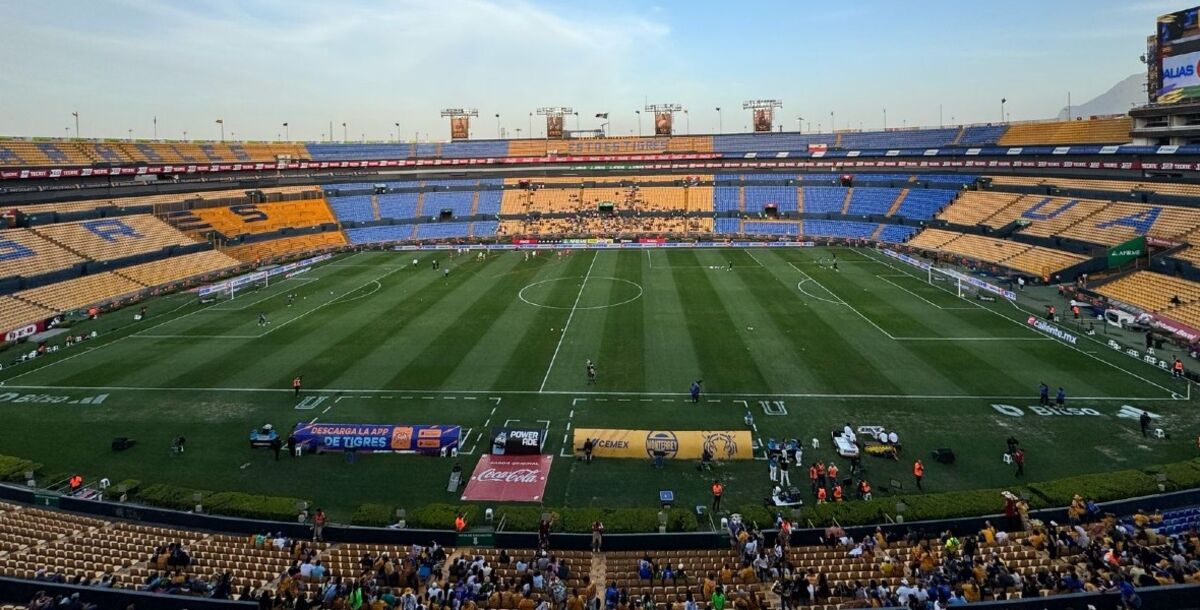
[231, 288]
[965, 286]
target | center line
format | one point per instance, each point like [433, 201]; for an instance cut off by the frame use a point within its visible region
[570, 316]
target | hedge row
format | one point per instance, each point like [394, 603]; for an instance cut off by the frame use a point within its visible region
[229, 503]
[14, 468]
[523, 518]
[575, 520]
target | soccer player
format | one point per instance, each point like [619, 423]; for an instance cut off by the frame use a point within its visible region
[1060, 398]
[695, 390]
[730, 266]
[262, 318]
[296, 385]
[591, 372]
[291, 297]
[1044, 394]
[835, 261]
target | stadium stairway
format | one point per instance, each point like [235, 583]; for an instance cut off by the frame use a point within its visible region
[186, 221]
[800, 201]
[895, 205]
[375, 215]
[846, 202]
[878, 230]
[741, 199]
[958, 138]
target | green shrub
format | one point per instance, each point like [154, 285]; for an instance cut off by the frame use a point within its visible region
[128, 486]
[1100, 487]
[441, 516]
[229, 503]
[14, 468]
[1180, 475]
[372, 515]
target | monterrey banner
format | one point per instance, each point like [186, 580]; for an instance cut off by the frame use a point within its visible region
[687, 445]
[509, 478]
[382, 438]
[1130, 250]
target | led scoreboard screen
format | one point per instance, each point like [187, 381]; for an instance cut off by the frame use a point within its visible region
[1178, 56]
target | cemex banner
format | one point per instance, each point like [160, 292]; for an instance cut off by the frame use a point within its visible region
[688, 445]
[383, 438]
[1130, 250]
[509, 478]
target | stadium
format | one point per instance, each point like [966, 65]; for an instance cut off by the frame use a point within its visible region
[769, 368]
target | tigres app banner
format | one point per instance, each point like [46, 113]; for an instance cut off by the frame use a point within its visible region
[687, 445]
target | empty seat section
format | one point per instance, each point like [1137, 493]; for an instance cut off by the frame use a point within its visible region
[25, 253]
[924, 203]
[726, 198]
[1120, 222]
[868, 200]
[475, 149]
[355, 208]
[113, 238]
[727, 226]
[457, 202]
[912, 138]
[398, 205]
[381, 233]
[980, 135]
[177, 268]
[818, 200]
[484, 228]
[286, 246]
[442, 230]
[249, 219]
[1096, 131]
[488, 203]
[772, 229]
[358, 152]
[81, 292]
[896, 233]
[782, 198]
[1048, 216]
[1151, 291]
[15, 313]
[837, 228]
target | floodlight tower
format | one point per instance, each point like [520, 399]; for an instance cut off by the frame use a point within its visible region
[762, 113]
[664, 117]
[460, 121]
[554, 120]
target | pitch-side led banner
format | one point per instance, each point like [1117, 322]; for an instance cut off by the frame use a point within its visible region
[687, 445]
[384, 438]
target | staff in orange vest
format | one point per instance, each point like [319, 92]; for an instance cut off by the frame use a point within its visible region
[918, 472]
[1178, 368]
[837, 493]
[75, 482]
[296, 384]
[820, 495]
[460, 523]
[864, 489]
[717, 490]
[812, 477]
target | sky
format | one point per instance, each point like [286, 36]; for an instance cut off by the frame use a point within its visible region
[125, 64]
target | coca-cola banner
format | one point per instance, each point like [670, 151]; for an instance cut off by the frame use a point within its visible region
[509, 478]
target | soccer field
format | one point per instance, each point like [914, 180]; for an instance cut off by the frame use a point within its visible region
[503, 341]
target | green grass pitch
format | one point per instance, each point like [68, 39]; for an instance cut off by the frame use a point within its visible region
[505, 341]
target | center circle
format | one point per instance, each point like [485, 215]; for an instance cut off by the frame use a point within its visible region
[585, 295]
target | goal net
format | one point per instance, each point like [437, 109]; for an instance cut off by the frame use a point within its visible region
[231, 288]
[965, 286]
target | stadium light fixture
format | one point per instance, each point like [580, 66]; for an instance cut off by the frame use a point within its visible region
[221, 122]
[639, 115]
[659, 109]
